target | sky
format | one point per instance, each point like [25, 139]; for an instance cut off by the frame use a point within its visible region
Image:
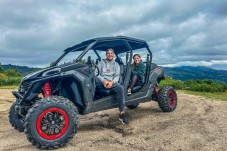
[179, 32]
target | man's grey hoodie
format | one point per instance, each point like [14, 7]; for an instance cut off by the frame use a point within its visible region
[109, 70]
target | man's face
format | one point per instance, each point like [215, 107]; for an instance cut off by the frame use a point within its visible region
[109, 55]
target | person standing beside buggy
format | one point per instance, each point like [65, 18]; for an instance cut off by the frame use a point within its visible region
[109, 74]
[138, 73]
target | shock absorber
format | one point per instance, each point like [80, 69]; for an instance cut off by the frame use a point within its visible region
[47, 90]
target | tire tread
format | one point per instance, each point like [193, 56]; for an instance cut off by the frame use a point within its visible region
[12, 119]
[163, 98]
[42, 103]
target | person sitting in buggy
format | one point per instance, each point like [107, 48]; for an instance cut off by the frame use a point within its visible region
[109, 74]
[138, 73]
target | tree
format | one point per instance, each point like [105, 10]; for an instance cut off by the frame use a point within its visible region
[1, 70]
[12, 73]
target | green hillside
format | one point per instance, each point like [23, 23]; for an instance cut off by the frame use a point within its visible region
[208, 88]
[22, 70]
[196, 73]
[196, 85]
[183, 73]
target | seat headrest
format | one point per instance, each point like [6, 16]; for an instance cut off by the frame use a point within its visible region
[118, 60]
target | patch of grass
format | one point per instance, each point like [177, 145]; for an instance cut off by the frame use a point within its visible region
[216, 95]
[9, 87]
[177, 84]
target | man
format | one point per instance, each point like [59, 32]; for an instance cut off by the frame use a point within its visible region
[109, 74]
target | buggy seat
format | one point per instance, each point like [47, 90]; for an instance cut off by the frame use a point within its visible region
[99, 93]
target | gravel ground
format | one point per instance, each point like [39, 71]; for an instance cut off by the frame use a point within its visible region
[196, 124]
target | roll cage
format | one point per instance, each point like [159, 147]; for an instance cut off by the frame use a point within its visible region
[120, 44]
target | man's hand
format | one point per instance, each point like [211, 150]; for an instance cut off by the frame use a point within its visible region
[107, 84]
[110, 84]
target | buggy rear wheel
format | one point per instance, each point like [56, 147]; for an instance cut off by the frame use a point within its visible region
[51, 122]
[167, 99]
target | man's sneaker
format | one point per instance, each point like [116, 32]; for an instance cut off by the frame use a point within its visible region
[123, 118]
[129, 91]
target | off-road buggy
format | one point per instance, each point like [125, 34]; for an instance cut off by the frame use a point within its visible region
[48, 101]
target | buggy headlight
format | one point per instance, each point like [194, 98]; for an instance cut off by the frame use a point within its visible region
[21, 88]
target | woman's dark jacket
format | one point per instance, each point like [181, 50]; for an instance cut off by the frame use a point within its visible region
[139, 70]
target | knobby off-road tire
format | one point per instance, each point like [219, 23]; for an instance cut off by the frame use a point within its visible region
[133, 106]
[51, 122]
[167, 99]
[15, 119]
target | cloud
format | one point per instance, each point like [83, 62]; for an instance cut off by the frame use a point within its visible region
[34, 33]
[198, 63]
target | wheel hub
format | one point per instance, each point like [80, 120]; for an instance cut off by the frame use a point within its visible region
[52, 123]
[171, 99]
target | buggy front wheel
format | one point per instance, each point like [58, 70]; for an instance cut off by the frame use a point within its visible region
[16, 120]
[51, 122]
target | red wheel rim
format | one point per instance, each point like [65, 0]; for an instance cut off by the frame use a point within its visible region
[171, 99]
[56, 127]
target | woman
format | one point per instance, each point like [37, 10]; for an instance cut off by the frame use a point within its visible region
[138, 72]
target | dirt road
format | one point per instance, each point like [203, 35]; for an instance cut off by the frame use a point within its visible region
[196, 124]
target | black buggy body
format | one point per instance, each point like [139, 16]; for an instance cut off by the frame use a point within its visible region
[48, 101]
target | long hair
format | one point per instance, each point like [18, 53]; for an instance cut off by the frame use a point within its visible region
[136, 55]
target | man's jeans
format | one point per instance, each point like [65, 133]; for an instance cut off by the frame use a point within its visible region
[116, 88]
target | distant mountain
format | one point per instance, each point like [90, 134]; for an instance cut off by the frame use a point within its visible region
[23, 70]
[188, 73]
[180, 73]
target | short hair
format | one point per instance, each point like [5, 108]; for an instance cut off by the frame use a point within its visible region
[109, 49]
